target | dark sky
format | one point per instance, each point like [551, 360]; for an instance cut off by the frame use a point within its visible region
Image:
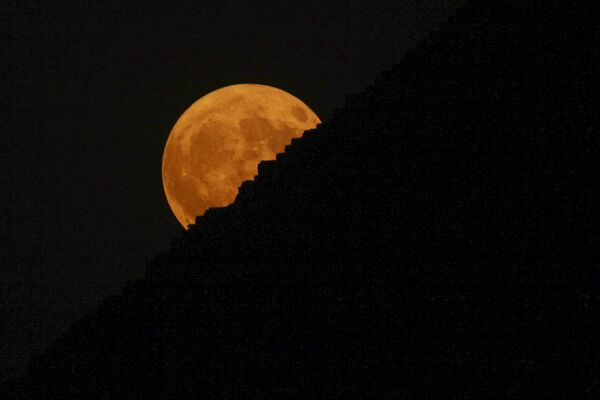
[89, 95]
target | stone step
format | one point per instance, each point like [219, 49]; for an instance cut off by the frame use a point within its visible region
[311, 134]
[216, 213]
[246, 186]
[266, 167]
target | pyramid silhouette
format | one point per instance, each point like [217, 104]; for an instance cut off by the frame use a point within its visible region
[435, 238]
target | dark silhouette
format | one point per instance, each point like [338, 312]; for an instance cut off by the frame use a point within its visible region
[434, 239]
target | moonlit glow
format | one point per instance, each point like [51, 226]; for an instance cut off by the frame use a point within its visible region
[219, 141]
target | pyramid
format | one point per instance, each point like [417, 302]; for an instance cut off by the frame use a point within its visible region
[435, 238]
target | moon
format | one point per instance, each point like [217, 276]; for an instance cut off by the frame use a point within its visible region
[218, 142]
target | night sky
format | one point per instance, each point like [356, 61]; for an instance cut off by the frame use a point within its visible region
[90, 93]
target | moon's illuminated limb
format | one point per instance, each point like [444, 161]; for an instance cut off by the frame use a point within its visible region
[219, 140]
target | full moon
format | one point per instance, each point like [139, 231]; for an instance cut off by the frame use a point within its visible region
[218, 142]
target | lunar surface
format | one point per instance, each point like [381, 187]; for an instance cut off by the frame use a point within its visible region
[219, 141]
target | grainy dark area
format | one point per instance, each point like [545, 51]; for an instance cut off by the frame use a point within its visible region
[90, 91]
[435, 237]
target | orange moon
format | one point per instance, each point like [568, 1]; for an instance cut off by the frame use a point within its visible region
[218, 142]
